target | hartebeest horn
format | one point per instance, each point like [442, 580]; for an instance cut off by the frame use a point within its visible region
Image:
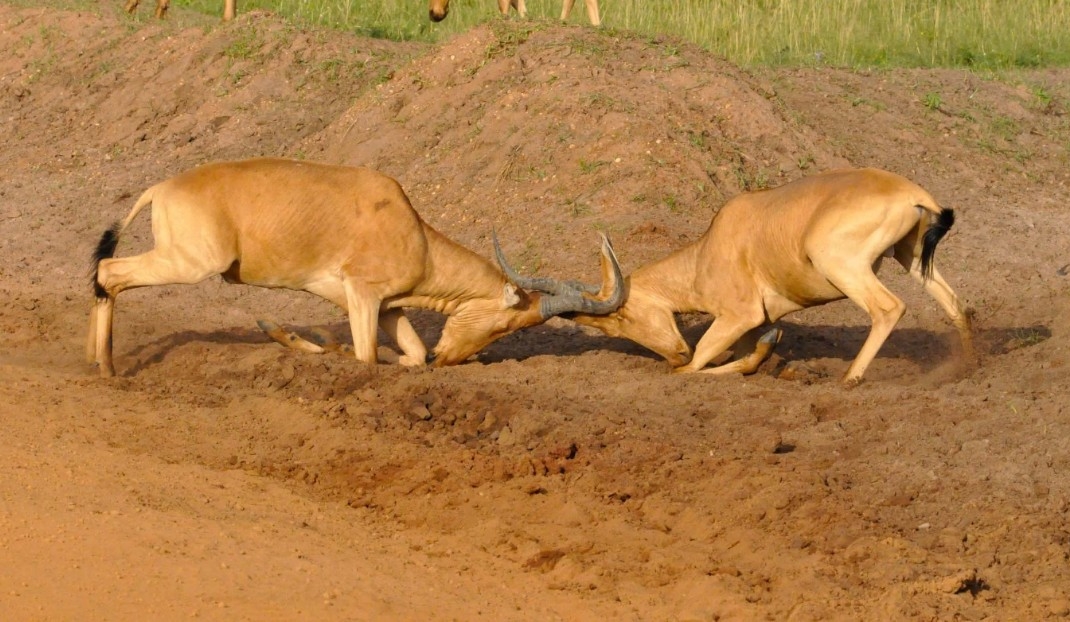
[546, 285]
[568, 296]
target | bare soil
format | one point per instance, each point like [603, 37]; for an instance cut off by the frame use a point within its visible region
[562, 474]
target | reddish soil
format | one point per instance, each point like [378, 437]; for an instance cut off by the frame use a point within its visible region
[563, 474]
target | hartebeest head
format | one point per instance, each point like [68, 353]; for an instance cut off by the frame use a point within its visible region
[476, 323]
[646, 320]
[641, 314]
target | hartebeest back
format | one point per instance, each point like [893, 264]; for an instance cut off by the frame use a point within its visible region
[346, 234]
[439, 9]
[230, 8]
[772, 252]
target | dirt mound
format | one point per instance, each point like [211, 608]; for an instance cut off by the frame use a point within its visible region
[563, 474]
[186, 92]
[566, 127]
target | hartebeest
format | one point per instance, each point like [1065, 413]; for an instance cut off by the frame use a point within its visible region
[346, 234]
[440, 8]
[771, 252]
[230, 7]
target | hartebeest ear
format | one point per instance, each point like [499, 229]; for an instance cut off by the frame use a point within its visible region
[514, 298]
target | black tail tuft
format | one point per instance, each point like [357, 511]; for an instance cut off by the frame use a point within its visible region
[105, 250]
[936, 232]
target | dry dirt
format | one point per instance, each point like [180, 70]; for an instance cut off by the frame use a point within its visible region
[563, 475]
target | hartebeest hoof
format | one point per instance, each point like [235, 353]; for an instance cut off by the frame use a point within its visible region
[762, 351]
[287, 338]
[766, 344]
[325, 338]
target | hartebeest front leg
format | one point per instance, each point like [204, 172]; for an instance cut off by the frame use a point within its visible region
[398, 328]
[749, 364]
[718, 338]
[161, 7]
[288, 338]
[392, 321]
[326, 339]
[363, 305]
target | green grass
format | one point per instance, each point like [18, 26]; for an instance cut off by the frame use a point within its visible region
[932, 101]
[990, 34]
[858, 33]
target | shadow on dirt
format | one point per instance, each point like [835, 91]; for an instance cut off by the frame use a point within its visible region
[156, 351]
[926, 347]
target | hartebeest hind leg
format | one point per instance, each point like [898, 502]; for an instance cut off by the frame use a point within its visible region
[938, 288]
[745, 365]
[98, 349]
[857, 281]
[156, 267]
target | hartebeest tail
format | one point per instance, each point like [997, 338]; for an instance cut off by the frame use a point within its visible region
[109, 241]
[346, 234]
[936, 232]
[769, 253]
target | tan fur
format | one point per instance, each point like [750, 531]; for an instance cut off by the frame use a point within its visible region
[440, 8]
[230, 8]
[347, 234]
[772, 252]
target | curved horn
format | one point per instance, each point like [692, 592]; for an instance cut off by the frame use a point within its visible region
[575, 302]
[568, 296]
[546, 285]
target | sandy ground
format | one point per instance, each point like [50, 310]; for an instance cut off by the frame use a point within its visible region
[563, 474]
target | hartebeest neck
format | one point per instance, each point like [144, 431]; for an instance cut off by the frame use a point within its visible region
[453, 276]
[672, 279]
